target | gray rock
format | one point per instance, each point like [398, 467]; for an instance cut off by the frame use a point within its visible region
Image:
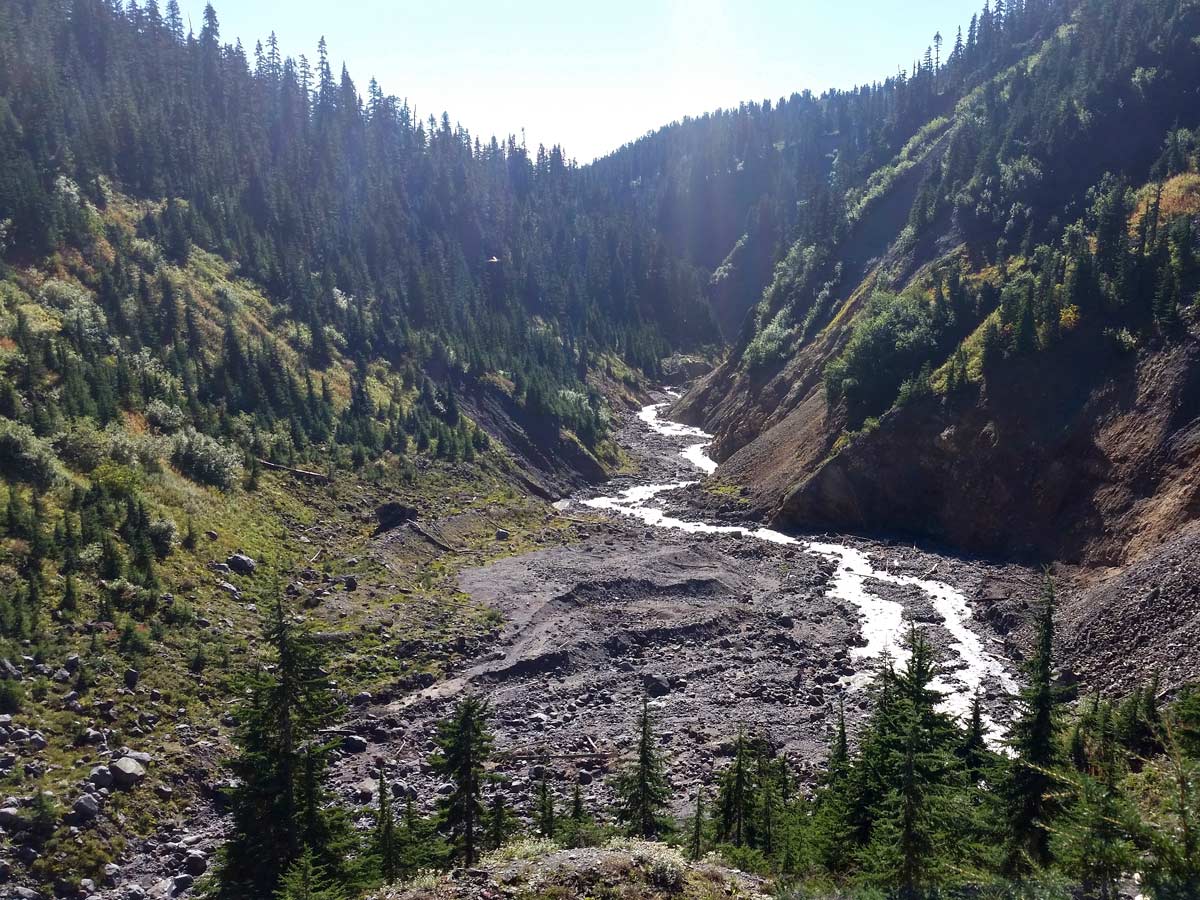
[11, 818]
[126, 772]
[241, 563]
[196, 863]
[86, 808]
[502, 534]
[132, 676]
[181, 883]
[353, 743]
[230, 589]
[101, 777]
[656, 685]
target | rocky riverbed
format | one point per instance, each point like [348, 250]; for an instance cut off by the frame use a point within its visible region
[723, 625]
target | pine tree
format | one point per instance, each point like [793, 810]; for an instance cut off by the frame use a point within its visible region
[464, 744]
[306, 880]
[278, 806]
[642, 789]
[499, 821]
[736, 798]
[546, 815]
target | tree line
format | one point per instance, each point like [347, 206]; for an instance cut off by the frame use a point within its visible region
[1078, 795]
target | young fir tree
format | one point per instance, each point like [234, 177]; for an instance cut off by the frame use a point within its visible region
[579, 823]
[696, 837]
[736, 797]
[917, 827]
[642, 789]
[546, 814]
[386, 842]
[499, 825]
[278, 807]
[1092, 841]
[305, 879]
[1028, 795]
[464, 744]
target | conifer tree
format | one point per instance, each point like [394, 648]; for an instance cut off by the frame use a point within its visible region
[696, 839]
[278, 807]
[499, 821]
[642, 789]
[1028, 787]
[546, 816]
[463, 746]
[387, 847]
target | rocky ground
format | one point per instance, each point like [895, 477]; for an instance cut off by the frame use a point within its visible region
[721, 632]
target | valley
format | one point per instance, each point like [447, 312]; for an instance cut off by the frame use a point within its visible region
[725, 627]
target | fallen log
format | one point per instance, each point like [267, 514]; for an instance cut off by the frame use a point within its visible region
[436, 541]
[299, 473]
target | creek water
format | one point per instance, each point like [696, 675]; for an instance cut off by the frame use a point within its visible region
[971, 667]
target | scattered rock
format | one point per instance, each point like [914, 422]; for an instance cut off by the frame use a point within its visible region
[354, 743]
[656, 685]
[132, 676]
[86, 808]
[241, 564]
[126, 772]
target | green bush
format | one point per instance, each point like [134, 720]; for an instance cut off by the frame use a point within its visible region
[26, 457]
[11, 697]
[206, 459]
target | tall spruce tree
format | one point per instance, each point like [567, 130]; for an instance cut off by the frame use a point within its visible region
[464, 744]
[1028, 792]
[278, 808]
[642, 788]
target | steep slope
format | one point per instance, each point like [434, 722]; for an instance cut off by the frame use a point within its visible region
[967, 365]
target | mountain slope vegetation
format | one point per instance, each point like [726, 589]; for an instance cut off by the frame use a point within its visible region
[968, 356]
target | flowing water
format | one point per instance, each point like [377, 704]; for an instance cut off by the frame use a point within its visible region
[882, 621]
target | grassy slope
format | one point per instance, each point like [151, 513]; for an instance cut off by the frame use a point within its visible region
[405, 617]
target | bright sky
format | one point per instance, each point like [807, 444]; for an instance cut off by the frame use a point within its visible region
[592, 76]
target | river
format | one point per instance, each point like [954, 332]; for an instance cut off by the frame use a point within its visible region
[882, 621]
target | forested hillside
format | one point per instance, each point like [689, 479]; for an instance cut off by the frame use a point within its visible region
[995, 343]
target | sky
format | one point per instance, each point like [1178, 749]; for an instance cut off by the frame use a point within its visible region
[593, 76]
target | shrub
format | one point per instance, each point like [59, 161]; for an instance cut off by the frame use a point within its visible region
[164, 417]
[82, 446]
[206, 459]
[163, 536]
[11, 696]
[26, 457]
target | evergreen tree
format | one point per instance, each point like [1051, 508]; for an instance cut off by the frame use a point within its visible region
[278, 806]
[386, 843]
[546, 815]
[642, 789]
[464, 744]
[1028, 789]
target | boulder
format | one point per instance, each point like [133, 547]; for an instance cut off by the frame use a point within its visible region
[241, 564]
[86, 808]
[11, 818]
[126, 772]
[195, 864]
[101, 777]
[354, 743]
[132, 676]
[656, 685]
